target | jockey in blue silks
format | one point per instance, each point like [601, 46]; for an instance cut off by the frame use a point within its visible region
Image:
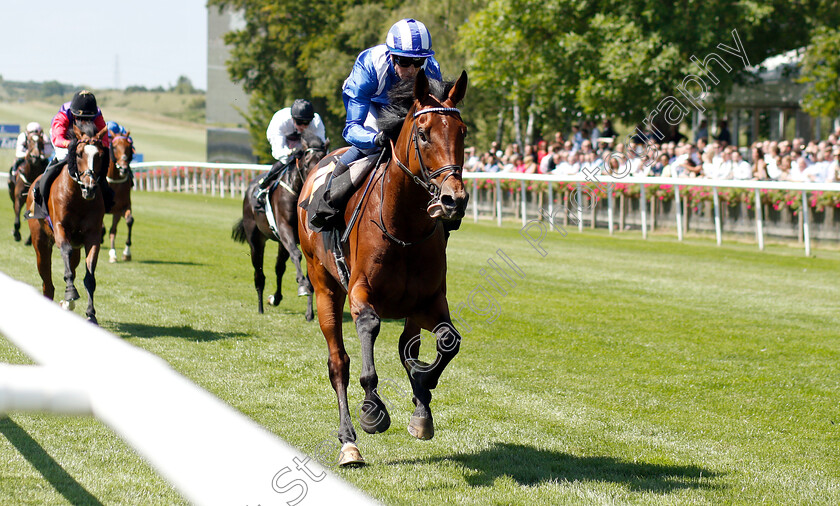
[407, 49]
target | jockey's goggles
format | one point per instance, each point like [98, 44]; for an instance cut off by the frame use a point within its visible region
[407, 61]
[302, 122]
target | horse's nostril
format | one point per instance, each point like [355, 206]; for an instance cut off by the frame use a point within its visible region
[447, 201]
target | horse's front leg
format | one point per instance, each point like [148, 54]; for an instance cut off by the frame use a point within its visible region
[92, 255]
[112, 235]
[71, 259]
[129, 222]
[372, 413]
[289, 241]
[279, 270]
[424, 377]
[17, 203]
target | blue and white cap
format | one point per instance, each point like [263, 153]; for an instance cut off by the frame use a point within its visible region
[409, 37]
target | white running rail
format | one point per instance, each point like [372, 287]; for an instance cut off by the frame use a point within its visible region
[211, 453]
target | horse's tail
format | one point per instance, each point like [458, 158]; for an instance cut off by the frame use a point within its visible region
[238, 231]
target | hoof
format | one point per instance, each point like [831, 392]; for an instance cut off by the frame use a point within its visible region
[112, 256]
[274, 301]
[350, 456]
[127, 258]
[93, 320]
[421, 428]
[17, 235]
[375, 422]
[302, 291]
[28, 241]
[69, 305]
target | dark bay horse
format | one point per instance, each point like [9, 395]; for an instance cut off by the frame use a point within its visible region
[119, 177]
[254, 226]
[397, 256]
[76, 210]
[33, 166]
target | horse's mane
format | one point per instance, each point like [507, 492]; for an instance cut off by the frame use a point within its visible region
[87, 128]
[401, 98]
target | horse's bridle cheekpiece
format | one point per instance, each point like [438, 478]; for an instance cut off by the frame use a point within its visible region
[427, 182]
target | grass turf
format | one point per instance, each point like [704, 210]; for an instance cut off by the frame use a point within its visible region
[617, 370]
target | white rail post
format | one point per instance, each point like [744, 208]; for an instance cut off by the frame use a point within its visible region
[610, 207]
[524, 204]
[643, 209]
[498, 203]
[580, 206]
[716, 199]
[475, 201]
[551, 198]
[195, 179]
[806, 227]
[759, 221]
[171, 179]
[678, 203]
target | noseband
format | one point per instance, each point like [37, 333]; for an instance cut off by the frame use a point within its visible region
[75, 176]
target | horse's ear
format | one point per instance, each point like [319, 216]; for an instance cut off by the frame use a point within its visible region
[76, 132]
[128, 133]
[421, 85]
[101, 133]
[456, 94]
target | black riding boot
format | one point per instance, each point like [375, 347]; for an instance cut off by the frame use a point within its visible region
[325, 213]
[41, 193]
[265, 183]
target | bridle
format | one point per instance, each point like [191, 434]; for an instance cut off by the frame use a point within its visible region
[427, 182]
[426, 178]
[75, 176]
[123, 170]
[32, 141]
[297, 179]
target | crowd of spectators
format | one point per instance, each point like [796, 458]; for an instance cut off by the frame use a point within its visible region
[708, 156]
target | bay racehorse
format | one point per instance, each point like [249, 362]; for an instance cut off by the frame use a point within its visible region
[255, 229]
[76, 209]
[33, 165]
[120, 179]
[397, 255]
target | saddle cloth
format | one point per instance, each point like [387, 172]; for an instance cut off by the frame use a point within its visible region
[358, 170]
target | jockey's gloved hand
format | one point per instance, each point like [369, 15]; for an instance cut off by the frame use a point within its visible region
[296, 153]
[381, 139]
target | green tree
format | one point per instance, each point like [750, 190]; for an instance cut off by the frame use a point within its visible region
[821, 68]
[183, 86]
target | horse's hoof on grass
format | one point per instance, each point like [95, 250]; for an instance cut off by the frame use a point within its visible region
[421, 428]
[112, 256]
[17, 235]
[127, 258]
[274, 301]
[28, 241]
[69, 305]
[350, 456]
[93, 320]
[303, 291]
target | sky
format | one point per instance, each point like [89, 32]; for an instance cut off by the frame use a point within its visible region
[104, 44]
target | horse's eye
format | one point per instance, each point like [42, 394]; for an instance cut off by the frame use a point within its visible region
[422, 135]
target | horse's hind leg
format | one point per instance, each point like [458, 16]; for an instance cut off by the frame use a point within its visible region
[112, 235]
[43, 254]
[90, 279]
[424, 377]
[373, 415]
[257, 243]
[129, 222]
